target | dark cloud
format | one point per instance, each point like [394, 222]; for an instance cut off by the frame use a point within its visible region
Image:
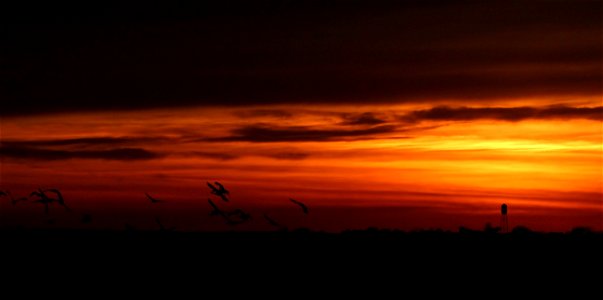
[366, 118]
[85, 142]
[288, 155]
[265, 134]
[57, 58]
[122, 154]
[215, 155]
[445, 113]
[276, 113]
[233, 156]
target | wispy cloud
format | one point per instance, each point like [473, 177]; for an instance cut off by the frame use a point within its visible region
[122, 154]
[266, 134]
[367, 118]
[84, 142]
[512, 114]
[232, 156]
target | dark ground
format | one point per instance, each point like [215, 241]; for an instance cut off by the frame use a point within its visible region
[443, 244]
[388, 261]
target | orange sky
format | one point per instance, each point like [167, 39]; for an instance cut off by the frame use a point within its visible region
[354, 172]
[392, 114]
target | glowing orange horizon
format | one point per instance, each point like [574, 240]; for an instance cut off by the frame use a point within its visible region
[462, 168]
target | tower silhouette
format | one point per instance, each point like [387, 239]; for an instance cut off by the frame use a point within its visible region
[504, 221]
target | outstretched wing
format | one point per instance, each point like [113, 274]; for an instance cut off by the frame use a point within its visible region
[153, 200]
[222, 189]
[15, 201]
[224, 198]
[212, 187]
[212, 204]
[303, 206]
[271, 221]
[56, 191]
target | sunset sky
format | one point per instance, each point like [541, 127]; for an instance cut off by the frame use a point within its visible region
[412, 115]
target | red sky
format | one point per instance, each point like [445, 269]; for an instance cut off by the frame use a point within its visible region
[370, 161]
[400, 115]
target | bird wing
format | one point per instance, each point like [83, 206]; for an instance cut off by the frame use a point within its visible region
[303, 206]
[212, 187]
[152, 199]
[213, 204]
[224, 198]
[222, 189]
[271, 221]
[56, 191]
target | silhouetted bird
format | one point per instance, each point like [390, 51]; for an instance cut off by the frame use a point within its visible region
[59, 199]
[43, 199]
[217, 211]
[222, 189]
[274, 223]
[219, 191]
[303, 206]
[153, 200]
[13, 200]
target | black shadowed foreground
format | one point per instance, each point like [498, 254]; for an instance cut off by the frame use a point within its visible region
[421, 244]
[368, 255]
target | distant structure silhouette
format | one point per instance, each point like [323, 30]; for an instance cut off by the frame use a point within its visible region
[504, 221]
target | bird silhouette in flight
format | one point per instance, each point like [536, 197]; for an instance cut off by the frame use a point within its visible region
[274, 223]
[217, 211]
[43, 198]
[153, 200]
[59, 199]
[303, 206]
[219, 191]
[13, 200]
